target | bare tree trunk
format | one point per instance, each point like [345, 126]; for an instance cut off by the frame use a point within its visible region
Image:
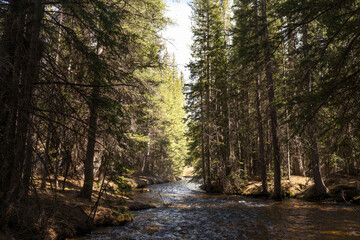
[273, 114]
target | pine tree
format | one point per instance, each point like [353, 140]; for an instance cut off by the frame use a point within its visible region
[208, 92]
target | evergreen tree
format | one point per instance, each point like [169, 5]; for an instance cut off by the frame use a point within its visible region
[208, 122]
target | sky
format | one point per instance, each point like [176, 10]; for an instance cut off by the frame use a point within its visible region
[178, 36]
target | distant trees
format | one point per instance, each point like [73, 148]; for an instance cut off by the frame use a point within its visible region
[303, 55]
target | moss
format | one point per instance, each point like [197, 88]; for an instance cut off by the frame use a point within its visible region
[356, 199]
[128, 214]
[259, 194]
[120, 218]
[124, 218]
[288, 194]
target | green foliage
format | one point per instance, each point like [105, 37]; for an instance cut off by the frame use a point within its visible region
[123, 187]
[316, 75]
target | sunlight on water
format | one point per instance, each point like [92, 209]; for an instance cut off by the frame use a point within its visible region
[253, 204]
[193, 214]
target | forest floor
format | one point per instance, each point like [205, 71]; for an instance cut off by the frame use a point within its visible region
[341, 188]
[62, 214]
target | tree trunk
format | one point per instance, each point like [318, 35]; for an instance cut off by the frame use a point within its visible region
[321, 189]
[67, 162]
[273, 114]
[203, 164]
[86, 190]
[27, 167]
[146, 165]
[261, 142]
[10, 72]
[23, 104]
[207, 144]
[57, 165]
[227, 132]
[298, 161]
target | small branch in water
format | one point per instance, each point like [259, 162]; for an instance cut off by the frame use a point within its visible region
[342, 194]
[164, 203]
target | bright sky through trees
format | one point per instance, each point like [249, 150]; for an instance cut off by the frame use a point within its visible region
[178, 35]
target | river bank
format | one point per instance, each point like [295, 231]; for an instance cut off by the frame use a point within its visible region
[61, 214]
[342, 189]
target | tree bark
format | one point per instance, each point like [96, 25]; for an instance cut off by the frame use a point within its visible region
[86, 190]
[21, 104]
[10, 71]
[203, 164]
[298, 161]
[207, 144]
[321, 189]
[27, 166]
[261, 142]
[273, 114]
[146, 165]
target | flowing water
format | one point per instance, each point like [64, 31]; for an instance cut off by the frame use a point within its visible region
[194, 214]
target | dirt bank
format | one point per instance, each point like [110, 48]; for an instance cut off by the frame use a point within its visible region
[341, 188]
[59, 214]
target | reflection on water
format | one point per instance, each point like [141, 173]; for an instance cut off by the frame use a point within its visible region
[193, 214]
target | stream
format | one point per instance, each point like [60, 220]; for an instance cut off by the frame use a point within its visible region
[194, 214]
